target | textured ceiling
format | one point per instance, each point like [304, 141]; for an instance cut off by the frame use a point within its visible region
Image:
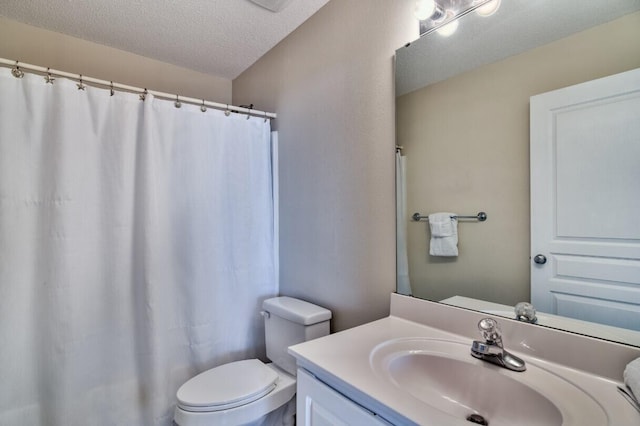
[219, 37]
[519, 25]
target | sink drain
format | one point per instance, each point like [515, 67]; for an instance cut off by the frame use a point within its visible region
[477, 419]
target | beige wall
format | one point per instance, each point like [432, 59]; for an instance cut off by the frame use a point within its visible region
[49, 49]
[467, 146]
[331, 83]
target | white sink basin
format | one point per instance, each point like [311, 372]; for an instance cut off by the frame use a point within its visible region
[443, 374]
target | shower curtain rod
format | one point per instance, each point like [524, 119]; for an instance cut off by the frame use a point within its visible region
[124, 87]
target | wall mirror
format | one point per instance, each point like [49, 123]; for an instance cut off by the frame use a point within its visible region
[463, 123]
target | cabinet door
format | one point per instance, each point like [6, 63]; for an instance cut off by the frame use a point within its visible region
[319, 405]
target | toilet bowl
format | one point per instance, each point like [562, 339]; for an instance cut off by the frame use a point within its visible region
[202, 401]
[250, 392]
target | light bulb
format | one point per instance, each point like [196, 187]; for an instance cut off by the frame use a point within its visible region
[447, 29]
[489, 8]
[424, 9]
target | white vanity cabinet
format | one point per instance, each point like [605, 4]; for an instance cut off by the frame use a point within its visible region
[320, 405]
[390, 371]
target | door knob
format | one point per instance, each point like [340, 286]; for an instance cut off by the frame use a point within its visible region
[540, 259]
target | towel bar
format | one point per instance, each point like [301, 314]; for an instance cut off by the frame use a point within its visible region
[480, 217]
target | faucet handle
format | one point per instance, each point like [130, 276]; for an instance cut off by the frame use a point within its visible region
[490, 330]
[492, 349]
[526, 312]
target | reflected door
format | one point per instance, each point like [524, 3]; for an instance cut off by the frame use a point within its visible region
[585, 201]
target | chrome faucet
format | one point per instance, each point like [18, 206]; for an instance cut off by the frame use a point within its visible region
[492, 349]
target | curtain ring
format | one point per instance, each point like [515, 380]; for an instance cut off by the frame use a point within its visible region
[177, 103]
[143, 96]
[49, 79]
[265, 117]
[203, 108]
[111, 91]
[17, 72]
[227, 112]
[80, 85]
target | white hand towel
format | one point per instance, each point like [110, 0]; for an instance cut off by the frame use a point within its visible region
[444, 234]
[632, 377]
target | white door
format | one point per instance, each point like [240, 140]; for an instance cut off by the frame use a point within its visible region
[585, 201]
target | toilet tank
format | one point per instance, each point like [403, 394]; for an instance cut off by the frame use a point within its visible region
[289, 321]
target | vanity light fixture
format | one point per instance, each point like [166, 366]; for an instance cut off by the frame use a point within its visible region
[489, 8]
[442, 15]
[429, 9]
[449, 28]
[424, 9]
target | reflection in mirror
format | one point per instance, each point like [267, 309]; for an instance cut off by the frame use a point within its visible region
[443, 16]
[463, 122]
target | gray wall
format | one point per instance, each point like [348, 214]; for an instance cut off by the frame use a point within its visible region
[331, 83]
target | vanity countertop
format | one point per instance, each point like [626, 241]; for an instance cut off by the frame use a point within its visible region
[343, 361]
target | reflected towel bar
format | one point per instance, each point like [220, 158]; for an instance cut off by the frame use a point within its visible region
[480, 217]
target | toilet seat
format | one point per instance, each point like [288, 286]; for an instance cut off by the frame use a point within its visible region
[227, 386]
[283, 394]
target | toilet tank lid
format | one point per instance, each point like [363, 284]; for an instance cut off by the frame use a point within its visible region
[296, 310]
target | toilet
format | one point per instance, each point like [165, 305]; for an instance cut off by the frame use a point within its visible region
[250, 392]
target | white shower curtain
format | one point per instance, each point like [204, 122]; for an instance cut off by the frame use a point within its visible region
[403, 284]
[136, 247]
